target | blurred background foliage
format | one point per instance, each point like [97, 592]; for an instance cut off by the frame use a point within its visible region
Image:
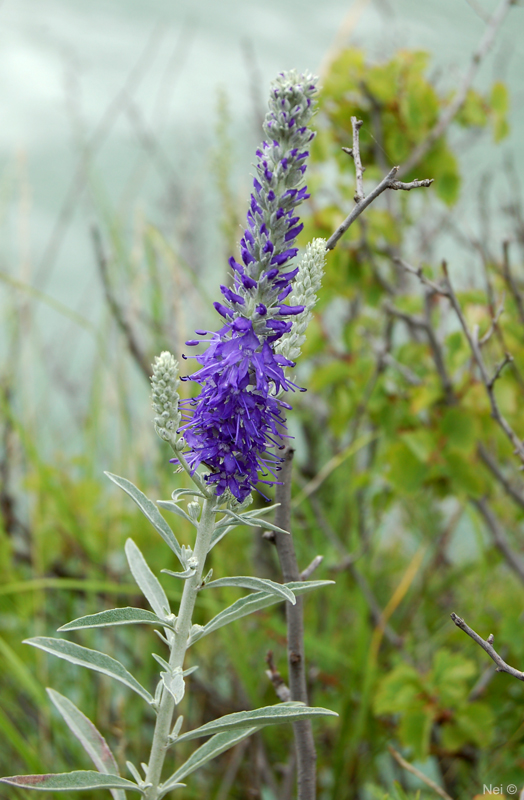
[403, 480]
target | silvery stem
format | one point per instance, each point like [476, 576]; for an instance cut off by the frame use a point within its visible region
[178, 650]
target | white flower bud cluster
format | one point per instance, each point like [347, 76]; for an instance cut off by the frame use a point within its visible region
[165, 397]
[305, 288]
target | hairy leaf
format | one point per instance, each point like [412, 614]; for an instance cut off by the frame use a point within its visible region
[254, 602]
[114, 616]
[257, 584]
[72, 781]
[149, 509]
[92, 659]
[91, 739]
[214, 747]
[148, 583]
[282, 712]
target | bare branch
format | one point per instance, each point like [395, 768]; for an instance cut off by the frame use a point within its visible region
[309, 570]
[356, 124]
[487, 645]
[510, 490]
[362, 202]
[417, 271]
[456, 104]
[513, 560]
[435, 346]
[486, 380]
[303, 732]
[114, 306]
[420, 775]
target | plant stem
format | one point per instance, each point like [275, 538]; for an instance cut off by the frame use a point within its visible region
[303, 732]
[178, 651]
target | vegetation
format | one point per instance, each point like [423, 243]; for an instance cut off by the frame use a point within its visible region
[405, 482]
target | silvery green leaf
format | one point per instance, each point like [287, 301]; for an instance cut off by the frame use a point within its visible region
[72, 781]
[190, 671]
[114, 616]
[252, 521]
[91, 739]
[148, 508]
[174, 683]
[247, 605]
[186, 492]
[148, 583]
[282, 712]
[134, 772]
[163, 663]
[188, 573]
[92, 659]
[170, 506]
[214, 747]
[257, 512]
[257, 584]
[176, 727]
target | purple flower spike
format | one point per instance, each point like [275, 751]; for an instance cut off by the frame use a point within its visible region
[236, 425]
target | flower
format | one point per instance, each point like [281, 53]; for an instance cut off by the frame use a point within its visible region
[237, 419]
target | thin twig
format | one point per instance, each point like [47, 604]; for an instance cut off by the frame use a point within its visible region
[356, 124]
[510, 490]
[487, 645]
[304, 742]
[486, 380]
[114, 306]
[513, 560]
[362, 202]
[420, 775]
[309, 570]
[456, 104]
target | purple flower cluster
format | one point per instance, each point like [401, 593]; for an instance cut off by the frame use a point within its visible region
[237, 418]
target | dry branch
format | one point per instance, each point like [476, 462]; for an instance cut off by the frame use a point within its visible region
[487, 645]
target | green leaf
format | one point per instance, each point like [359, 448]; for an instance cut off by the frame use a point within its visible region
[114, 616]
[149, 509]
[214, 747]
[415, 730]
[257, 584]
[71, 782]
[405, 472]
[92, 741]
[282, 712]
[148, 583]
[459, 428]
[247, 605]
[92, 659]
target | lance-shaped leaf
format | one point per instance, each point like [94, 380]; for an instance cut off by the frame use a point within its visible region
[214, 747]
[247, 605]
[72, 782]
[247, 519]
[257, 584]
[149, 509]
[148, 583]
[92, 659]
[282, 712]
[91, 739]
[115, 616]
[170, 506]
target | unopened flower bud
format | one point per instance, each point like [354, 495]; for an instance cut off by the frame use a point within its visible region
[165, 397]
